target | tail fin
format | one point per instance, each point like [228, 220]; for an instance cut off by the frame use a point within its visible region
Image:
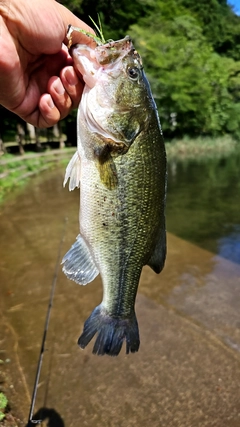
[111, 333]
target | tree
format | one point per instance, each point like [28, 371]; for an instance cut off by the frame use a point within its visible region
[116, 17]
[190, 81]
[220, 25]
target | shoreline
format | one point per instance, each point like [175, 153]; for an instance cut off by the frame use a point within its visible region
[201, 148]
[13, 175]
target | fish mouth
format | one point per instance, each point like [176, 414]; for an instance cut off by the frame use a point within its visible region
[113, 50]
[84, 60]
[91, 62]
[106, 53]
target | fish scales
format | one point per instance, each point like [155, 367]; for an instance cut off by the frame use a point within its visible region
[118, 224]
[122, 223]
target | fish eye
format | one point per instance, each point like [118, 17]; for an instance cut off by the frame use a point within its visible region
[133, 73]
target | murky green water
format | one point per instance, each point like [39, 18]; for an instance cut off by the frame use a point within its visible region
[203, 204]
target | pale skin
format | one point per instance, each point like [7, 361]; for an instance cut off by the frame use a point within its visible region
[37, 79]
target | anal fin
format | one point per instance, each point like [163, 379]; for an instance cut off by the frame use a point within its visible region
[79, 264]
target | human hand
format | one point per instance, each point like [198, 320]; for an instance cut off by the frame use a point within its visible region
[37, 79]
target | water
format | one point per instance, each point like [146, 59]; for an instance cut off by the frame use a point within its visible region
[186, 372]
[203, 204]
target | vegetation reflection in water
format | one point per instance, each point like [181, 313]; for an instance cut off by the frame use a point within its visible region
[203, 203]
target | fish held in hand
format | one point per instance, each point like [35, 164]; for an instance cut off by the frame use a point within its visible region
[120, 167]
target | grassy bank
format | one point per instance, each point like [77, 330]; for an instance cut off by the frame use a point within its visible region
[200, 148]
[16, 170]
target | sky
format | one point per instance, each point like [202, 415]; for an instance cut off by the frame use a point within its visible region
[236, 4]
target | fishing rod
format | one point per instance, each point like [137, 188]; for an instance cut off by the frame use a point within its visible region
[42, 349]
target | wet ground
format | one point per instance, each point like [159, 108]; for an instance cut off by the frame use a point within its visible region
[187, 371]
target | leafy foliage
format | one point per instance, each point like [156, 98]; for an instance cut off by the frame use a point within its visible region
[116, 17]
[189, 80]
[220, 24]
[3, 405]
[191, 53]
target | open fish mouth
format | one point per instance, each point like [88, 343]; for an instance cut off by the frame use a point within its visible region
[93, 62]
[113, 50]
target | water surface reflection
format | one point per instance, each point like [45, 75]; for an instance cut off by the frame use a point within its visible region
[203, 204]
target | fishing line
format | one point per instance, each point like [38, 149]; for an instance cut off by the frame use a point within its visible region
[50, 304]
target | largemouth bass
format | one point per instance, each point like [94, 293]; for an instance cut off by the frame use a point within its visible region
[120, 166]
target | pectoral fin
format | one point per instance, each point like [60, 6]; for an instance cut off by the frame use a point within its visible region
[157, 259]
[73, 172]
[108, 173]
[79, 264]
[106, 166]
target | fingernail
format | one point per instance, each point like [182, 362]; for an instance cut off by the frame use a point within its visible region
[58, 87]
[71, 77]
[50, 102]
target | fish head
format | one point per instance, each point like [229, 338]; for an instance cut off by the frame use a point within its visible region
[117, 100]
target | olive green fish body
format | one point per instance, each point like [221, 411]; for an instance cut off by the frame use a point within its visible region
[122, 200]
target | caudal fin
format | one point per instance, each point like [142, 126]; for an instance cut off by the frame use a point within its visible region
[111, 333]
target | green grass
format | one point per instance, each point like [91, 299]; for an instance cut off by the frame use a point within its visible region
[15, 172]
[200, 148]
[3, 405]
